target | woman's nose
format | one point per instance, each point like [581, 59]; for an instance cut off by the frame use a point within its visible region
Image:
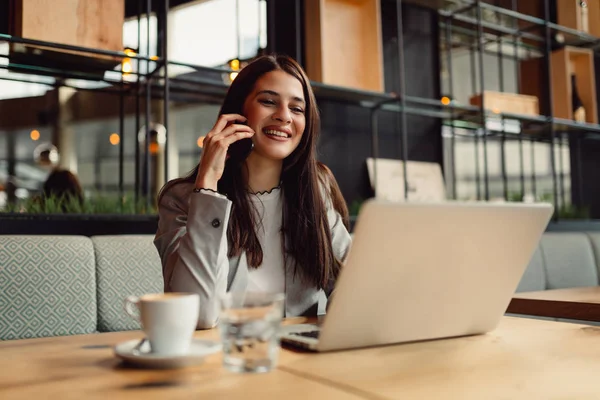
[283, 115]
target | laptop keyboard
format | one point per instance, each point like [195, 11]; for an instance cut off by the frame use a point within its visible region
[311, 334]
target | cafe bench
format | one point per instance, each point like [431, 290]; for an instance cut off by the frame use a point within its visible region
[67, 285]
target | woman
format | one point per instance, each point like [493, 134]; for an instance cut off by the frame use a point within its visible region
[274, 222]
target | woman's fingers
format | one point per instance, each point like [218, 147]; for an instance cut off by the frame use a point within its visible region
[233, 129]
[216, 144]
[234, 137]
[230, 130]
[222, 122]
[227, 138]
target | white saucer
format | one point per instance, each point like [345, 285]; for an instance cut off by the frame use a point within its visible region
[143, 358]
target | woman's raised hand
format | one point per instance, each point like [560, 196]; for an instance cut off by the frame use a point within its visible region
[226, 131]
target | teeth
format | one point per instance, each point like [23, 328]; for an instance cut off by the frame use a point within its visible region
[276, 133]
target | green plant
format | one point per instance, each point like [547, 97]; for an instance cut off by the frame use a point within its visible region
[566, 211]
[95, 204]
[355, 207]
[570, 211]
[515, 196]
[546, 198]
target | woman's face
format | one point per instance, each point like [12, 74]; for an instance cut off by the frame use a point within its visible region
[276, 111]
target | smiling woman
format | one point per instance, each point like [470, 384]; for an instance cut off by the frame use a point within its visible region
[272, 222]
[275, 110]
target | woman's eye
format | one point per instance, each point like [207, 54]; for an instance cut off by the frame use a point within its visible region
[298, 110]
[266, 101]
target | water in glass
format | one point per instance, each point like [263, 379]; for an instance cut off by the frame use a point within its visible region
[249, 327]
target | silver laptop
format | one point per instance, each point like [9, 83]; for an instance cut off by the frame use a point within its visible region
[426, 271]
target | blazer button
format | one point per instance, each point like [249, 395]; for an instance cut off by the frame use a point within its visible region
[216, 223]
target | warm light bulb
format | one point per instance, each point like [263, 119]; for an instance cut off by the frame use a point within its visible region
[232, 76]
[129, 52]
[153, 148]
[114, 139]
[126, 67]
[235, 64]
[35, 135]
[445, 100]
[200, 141]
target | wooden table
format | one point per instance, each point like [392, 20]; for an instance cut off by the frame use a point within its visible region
[522, 358]
[574, 303]
[84, 367]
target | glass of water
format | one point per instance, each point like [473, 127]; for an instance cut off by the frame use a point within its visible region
[249, 325]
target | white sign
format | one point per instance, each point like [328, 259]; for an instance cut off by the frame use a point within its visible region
[425, 180]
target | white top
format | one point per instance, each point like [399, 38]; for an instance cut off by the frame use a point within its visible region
[270, 276]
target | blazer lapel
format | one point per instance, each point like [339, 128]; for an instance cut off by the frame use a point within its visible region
[237, 278]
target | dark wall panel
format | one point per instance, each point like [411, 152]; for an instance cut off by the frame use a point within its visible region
[346, 132]
[585, 174]
[4, 16]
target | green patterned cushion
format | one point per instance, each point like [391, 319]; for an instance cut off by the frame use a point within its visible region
[125, 265]
[47, 286]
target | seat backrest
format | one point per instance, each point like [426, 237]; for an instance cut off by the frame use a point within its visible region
[569, 260]
[534, 278]
[595, 241]
[126, 265]
[47, 286]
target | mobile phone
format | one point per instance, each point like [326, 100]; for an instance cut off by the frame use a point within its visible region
[238, 151]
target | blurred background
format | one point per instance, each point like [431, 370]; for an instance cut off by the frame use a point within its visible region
[456, 99]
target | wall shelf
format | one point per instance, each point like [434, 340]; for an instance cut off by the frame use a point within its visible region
[206, 81]
[343, 43]
[472, 25]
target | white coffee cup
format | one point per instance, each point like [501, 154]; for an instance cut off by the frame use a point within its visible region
[168, 320]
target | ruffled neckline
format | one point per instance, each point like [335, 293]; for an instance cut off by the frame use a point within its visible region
[273, 192]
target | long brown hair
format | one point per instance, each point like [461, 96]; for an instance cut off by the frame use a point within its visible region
[304, 183]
